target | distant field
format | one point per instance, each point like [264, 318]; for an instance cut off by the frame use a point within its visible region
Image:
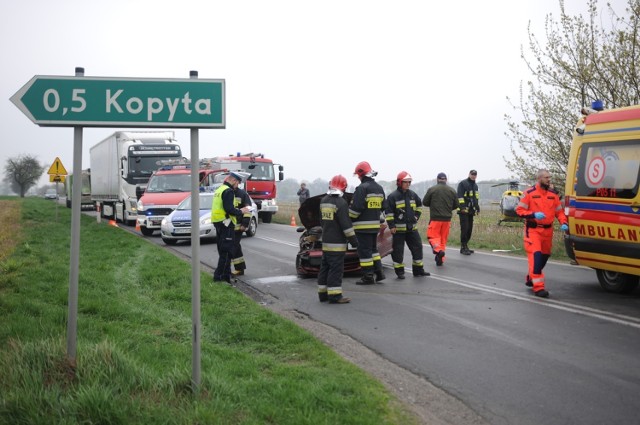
[487, 234]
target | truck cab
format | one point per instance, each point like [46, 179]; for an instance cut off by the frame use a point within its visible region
[602, 200]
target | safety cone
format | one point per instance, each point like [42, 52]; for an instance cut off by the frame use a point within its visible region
[113, 223]
[293, 221]
[137, 226]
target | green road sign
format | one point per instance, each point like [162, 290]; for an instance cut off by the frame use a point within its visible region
[122, 102]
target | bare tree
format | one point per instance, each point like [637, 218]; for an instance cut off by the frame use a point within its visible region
[22, 173]
[582, 60]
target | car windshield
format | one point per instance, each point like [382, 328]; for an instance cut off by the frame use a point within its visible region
[206, 199]
[169, 183]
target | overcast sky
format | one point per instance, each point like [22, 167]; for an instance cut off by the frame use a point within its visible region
[316, 86]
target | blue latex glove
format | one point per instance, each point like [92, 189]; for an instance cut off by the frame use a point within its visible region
[564, 227]
[539, 215]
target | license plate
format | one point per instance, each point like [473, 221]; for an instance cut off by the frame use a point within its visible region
[182, 230]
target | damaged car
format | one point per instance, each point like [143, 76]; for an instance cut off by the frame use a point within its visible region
[309, 257]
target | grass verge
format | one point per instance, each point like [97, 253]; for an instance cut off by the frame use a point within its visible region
[134, 340]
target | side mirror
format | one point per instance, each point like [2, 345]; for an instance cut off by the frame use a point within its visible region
[280, 168]
[281, 176]
[139, 192]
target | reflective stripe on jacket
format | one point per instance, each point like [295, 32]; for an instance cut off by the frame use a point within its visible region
[367, 205]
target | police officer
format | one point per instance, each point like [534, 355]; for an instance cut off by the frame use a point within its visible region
[336, 231]
[365, 211]
[539, 206]
[402, 215]
[469, 206]
[224, 216]
[241, 200]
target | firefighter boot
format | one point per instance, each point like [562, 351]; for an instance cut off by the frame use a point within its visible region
[380, 276]
[367, 279]
[400, 273]
[419, 271]
[339, 299]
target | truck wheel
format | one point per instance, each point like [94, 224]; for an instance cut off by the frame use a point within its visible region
[146, 231]
[266, 217]
[253, 226]
[620, 283]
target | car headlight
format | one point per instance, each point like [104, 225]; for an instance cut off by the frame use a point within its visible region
[205, 221]
[140, 206]
[165, 221]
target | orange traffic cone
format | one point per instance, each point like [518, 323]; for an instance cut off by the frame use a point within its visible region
[137, 226]
[293, 220]
[113, 223]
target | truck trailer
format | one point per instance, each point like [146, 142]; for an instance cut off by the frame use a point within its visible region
[85, 193]
[123, 161]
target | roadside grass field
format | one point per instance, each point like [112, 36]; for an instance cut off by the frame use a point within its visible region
[487, 234]
[133, 362]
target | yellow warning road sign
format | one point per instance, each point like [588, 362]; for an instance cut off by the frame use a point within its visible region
[56, 178]
[57, 168]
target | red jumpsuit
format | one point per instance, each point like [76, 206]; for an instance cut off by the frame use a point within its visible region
[538, 233]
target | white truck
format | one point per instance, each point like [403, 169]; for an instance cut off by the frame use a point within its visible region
[123, 161]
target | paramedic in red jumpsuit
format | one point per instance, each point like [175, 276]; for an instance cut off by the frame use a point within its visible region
[539, 206]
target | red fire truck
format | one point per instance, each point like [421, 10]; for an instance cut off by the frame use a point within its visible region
[262, 183]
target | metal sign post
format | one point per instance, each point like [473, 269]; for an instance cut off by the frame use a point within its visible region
[80, 102]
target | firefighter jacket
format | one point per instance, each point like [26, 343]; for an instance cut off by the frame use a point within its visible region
[367, 204]
[222, 207]
[403, 211]
[336, 224]
[538, 199]
[468, 196]
[442, 201]
[241, 200]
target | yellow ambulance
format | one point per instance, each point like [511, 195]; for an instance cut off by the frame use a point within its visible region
[602, 201]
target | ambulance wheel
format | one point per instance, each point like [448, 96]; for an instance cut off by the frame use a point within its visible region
[619, 283]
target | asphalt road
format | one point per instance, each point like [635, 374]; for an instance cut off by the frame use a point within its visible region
[475, 331]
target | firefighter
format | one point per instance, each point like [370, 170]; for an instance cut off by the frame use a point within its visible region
[402, 215]
[337, 229]
[224, 216]
[365, 211]
[539, 206]
[441, 200]
[242, 199]
[469, 207]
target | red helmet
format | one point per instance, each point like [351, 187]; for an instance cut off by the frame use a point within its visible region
[338, 182]
[362, 169]
[403, 176]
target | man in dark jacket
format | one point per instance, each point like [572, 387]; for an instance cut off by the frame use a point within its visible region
[402, 217]
[469, 206]
[336, 231]
[303, 193]
[365, 212]
[441, 200]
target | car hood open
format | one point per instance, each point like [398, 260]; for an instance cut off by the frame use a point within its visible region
[309, 211]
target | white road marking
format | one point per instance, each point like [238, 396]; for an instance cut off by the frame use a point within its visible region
[620, 319]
